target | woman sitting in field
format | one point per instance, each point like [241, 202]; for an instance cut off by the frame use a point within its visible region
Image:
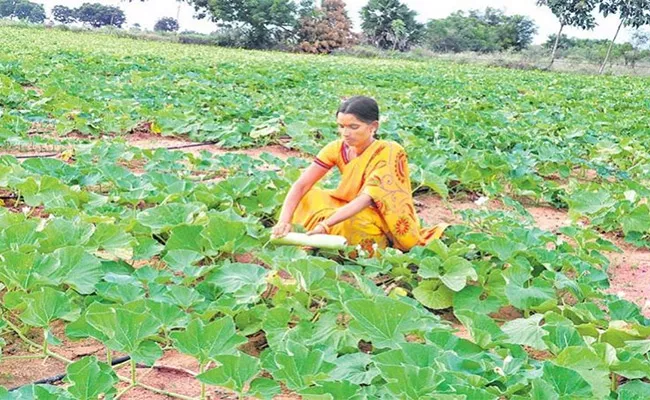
[373, 205]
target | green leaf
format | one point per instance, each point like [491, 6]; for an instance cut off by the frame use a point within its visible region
[234, 372]
[332, 390]
[638, 220]
[184, 261]
[226, 233]
[47, 305]
[585, 203]
[90, 379]
[409, 381]
[300, 367]
[457, 272]
[589, 365]
[634, 390]
[484, 331]
[566, 382]
[434, 294]
[471, 298]
[76, 268]
[165, 217]
[205, 342]
[128, 329]
[355, 368]
[246, 282]
[384, 321]
[526, 332]
[264, 388]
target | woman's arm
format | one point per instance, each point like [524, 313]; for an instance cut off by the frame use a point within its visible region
[343, 213]
[298, 190]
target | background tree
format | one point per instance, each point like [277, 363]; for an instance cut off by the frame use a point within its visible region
[635, 13]
[63, 14]
[166, 24]
[30, 12]
[326, 28]
[98, 15]
[379, 26]
[490, 30]
[23, 10]
[266, 22]
[577, 13]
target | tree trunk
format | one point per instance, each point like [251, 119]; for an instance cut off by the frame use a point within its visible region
[609, 50]
[557, 43]
[178, 16]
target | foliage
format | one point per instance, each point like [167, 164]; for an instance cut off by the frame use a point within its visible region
[63, 14]
[576, 13]
[144, 260]
[166, 25]
[326, 28]
[23, 10]
[265, 22]
[487, 31]
[390, 24]
[98, 15]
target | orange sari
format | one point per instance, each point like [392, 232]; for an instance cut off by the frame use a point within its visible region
[381, 172]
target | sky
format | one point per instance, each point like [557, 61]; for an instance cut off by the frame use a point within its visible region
[147, 13]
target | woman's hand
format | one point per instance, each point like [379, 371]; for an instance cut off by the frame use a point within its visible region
[281, 229]
[318, 230]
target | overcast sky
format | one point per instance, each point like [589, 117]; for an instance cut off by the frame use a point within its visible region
[147, 13]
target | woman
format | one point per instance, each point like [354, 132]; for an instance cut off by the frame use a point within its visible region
[373, 205]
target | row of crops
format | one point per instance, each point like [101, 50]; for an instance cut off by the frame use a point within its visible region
[150, 262]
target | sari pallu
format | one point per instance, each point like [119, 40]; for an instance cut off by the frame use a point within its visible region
[381, 172]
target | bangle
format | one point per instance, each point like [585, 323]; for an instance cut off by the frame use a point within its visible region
[324, 225]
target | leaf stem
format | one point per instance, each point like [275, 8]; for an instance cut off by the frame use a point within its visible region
[34, 344]
[133, 372]
[201, 370]
[158, 391]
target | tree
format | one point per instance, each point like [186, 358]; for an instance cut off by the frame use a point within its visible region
[63, 14]
[166, 24]
[379, 24]
[31, 12]
[635, 13]
[266, 22]
[326, 28]
[23, 10]
[490, 30]
[98, 15]
[577, 13]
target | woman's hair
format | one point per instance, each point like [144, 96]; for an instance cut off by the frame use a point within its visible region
[364, 108]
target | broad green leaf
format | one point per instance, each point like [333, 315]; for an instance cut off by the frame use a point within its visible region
[246, 282]
[526, 332]
[47, 305]
[484, 331]
[638, 220]
[205, 342]
[634, 390]
[434, 294]
[384, 321]
[457, 272]
[566, 382]
[167, 216]
[233, 372]
[300, 367]
[90, 379]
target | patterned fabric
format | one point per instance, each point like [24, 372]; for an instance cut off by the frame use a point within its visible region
[382, 173]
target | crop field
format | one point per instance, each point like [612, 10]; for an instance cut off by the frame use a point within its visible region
[139, 180]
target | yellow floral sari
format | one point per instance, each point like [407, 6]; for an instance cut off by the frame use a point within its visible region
[381, 172]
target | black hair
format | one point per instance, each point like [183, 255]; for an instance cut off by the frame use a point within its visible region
[364, 108]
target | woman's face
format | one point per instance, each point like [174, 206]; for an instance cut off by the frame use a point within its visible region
[355, 133]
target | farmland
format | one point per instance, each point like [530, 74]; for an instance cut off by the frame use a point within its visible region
[139, 181]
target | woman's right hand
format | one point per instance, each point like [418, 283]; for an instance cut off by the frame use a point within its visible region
[281, 229]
